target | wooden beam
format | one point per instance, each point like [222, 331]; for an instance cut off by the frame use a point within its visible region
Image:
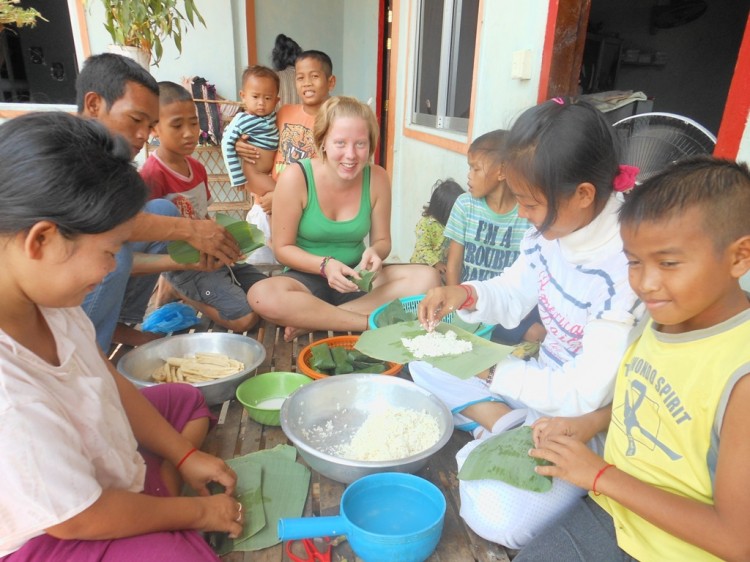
[252, 46]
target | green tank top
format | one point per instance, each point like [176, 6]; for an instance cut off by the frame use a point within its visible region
[321, 236]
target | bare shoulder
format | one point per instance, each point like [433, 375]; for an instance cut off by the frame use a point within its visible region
[291, 179]
[379, 179]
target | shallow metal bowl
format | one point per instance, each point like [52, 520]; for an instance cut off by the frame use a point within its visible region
[139, 363]
[346, 401]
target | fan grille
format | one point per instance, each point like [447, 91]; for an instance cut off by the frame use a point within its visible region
[652, 141]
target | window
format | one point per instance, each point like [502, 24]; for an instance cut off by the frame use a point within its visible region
[445, 63]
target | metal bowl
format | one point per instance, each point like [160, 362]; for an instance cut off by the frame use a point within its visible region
[346, 401]
[138, 364]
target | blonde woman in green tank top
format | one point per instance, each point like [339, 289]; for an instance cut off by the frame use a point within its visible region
[324, 211]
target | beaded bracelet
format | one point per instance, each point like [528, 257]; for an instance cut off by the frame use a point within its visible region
[323, 265]
[596, 478]
[469, 298]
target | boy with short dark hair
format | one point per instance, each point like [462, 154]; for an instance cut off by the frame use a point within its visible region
[314, 81]
[673, 481]
[123, 96]
[173, 174]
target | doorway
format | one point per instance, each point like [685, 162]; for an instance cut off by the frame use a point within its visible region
[683, 62]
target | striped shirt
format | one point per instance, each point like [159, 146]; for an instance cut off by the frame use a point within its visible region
[262, 132]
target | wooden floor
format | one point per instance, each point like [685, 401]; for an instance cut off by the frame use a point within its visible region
[236, 434]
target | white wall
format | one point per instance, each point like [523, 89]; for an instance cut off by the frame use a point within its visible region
[347, 31]
[506, 26]
[313, 25]
[360, 50]
[207, 52]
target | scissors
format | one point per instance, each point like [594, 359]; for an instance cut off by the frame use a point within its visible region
[312, 552]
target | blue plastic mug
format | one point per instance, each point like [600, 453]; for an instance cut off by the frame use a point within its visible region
[386, 517]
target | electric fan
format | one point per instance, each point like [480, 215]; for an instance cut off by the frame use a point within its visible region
[652, 141]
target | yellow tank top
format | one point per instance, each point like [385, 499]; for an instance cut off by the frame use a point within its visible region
[669, 401]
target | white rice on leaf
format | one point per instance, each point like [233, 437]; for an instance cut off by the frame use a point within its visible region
[436, 344]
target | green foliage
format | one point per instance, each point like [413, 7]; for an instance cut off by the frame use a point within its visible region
[146, 24]
[14, 15]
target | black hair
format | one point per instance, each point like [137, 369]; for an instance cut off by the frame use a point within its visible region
[559, 144]
[444, 195]
[261, 71]
[493, 145]
[68, 170]
[107, 74]
[719, 188]
[171, 92]
[319, 56]
[285, 52]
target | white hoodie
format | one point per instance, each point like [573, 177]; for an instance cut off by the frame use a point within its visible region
[580, 282]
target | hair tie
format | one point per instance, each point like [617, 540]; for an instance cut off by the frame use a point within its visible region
[625, 178]
[558, 100]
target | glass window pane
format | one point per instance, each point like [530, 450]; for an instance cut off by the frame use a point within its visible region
[462, 63]
[428, 75]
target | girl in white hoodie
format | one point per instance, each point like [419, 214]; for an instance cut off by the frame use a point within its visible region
[563, 169]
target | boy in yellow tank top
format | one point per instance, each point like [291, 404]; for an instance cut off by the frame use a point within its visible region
[673, 481]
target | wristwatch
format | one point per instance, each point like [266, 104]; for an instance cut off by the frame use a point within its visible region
[490, 375]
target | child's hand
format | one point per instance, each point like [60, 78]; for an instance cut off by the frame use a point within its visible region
[571, 460]
[437, 303]
[583, 428]
[205, 263]
[441, 267]
[201, 468]
[545, 428]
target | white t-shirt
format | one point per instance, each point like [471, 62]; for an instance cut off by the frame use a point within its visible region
[64, 435]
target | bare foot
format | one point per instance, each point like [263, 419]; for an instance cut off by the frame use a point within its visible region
[127, 335]
[290, 333]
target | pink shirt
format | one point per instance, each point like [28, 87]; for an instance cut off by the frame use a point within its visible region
[64, 435]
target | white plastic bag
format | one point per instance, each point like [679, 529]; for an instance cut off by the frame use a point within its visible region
[262, 256]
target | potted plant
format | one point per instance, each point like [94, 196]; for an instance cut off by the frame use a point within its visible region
[143, 25]
[15, 15]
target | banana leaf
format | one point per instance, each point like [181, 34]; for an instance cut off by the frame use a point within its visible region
[365, 281]
[248, 236]
[385, 344]
[394, 313]
[505, 457]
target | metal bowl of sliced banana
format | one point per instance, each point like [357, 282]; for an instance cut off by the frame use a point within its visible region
[216, 363]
